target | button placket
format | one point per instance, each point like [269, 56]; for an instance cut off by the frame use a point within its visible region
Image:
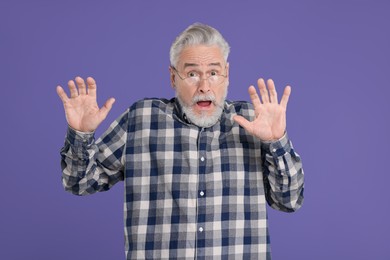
[203, 145]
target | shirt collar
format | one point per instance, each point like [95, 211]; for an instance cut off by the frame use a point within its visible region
[179, 112]
[183, 117]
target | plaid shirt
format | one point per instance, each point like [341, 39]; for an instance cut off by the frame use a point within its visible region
[190, 192]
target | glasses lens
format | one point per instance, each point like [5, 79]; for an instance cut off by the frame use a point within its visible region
[192, 80]
[215, 80]
[212, 80]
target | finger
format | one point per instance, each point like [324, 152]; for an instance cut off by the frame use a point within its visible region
[72, 88]
[273, 96]
[103, 112]
[254, 98]
[61, 93]
[263, 91]
[91, 87]
[243, 122]
[285, 97]
[81, 85]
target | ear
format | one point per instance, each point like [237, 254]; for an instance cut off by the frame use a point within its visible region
[227, 70]
[227, 73]
[172, 77]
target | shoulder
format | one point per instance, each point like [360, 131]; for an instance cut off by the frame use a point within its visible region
[242, 108]
[148, 103]
[150, 106]
[144, 112]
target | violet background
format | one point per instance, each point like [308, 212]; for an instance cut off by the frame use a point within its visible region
[335, 55]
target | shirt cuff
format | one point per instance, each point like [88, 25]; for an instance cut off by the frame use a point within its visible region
[278, 147]
[78, 138]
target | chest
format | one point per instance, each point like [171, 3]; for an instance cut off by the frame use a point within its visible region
[189, 158]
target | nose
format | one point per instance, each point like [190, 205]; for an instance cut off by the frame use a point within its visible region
[204, 86]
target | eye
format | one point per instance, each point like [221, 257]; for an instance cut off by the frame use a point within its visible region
[214, 73]
[192, 74]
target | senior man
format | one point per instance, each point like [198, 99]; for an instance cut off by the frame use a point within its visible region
[198, 169]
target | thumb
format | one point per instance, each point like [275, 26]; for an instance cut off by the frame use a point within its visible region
[103, 112]
[243, 122]
[61, 93]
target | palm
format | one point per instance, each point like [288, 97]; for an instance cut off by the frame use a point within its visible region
[270, 116]
[81, 113]
[81, 109]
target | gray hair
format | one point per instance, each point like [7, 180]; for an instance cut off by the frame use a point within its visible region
[198, 34]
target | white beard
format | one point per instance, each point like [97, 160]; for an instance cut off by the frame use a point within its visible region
[203, 120]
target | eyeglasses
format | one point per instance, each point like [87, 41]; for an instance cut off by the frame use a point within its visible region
[194, 78]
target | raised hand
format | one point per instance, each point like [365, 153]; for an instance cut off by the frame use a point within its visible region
[270, 116]
[81, 109]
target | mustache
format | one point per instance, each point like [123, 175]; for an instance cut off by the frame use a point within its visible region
[208, 97]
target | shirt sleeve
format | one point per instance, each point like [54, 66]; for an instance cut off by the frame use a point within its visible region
[89, 166]
[283, 175]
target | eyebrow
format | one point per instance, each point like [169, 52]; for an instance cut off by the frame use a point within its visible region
[197, 65]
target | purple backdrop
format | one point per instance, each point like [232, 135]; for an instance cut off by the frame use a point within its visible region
[335, 54]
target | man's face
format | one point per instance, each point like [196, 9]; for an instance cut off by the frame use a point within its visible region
[201, 97]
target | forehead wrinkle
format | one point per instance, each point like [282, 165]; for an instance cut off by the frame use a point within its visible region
[196, 56]
[213, 64]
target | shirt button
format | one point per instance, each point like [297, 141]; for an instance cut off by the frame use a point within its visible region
[202, 159]
[201, 193]
[274, 150]
[200, 229]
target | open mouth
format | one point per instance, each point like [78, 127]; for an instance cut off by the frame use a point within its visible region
[203, 103]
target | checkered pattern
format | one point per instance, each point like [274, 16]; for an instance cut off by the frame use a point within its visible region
[190, 193]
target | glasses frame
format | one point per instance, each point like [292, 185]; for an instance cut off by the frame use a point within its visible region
[200, 79]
